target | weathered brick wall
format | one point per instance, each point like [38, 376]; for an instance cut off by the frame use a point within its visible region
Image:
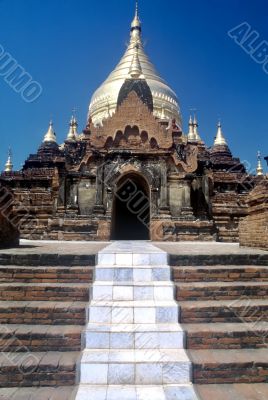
[32, 209]
[253, 229]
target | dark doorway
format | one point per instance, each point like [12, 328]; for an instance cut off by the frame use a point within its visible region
[131, 209]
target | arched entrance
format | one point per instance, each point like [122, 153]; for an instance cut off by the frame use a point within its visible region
[131, 209]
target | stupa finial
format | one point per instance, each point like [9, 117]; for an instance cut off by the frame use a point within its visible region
[9, 164]
[191, 134]
[50, 136]
[259, 168]
[220, 139]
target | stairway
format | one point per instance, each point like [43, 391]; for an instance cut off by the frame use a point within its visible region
[133, 342]
[224, 312]
[42, 315]
[133, 345]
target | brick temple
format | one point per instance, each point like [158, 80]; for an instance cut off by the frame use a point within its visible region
[164, 319]
[132, 173]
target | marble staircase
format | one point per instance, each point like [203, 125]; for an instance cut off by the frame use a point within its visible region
[133, 343]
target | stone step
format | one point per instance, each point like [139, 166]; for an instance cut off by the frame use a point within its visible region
[240, 310]
[228, 258]
[43, 312]
[22, 258]
[141, 367]
[46, 274]
[220, 290]
[226, 335]
[154, 290]
[220, 273]
[137, 312]
[44, 291]
[136, 392]
[133, 336]
[232, 366]
[132, 274]
[133, 339]
[22, 338]
[38, 369]
[235, 391]
[131, 256]
[38, 393]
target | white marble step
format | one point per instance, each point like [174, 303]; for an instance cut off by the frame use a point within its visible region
[133, 336]
[132, 274]
[134, 345]
[133, 257]
[141, 367]
[154, 290]
[173, 327]
[136, 392]
[133, 312]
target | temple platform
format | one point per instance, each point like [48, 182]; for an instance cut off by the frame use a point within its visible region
[200, 307]
[29, 247]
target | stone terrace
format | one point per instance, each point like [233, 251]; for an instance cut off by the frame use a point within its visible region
[221, 290]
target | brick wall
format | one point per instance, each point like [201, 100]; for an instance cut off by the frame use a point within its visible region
[253, 229]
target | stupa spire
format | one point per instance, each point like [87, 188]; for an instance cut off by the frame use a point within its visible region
[50, 136]
[71, 134]
[220, 139]
[135, 70]
[136, 26]
[191, 135]
[9, 164]
[110, 88]
[259, 168]
[136, 23]
[195, 128]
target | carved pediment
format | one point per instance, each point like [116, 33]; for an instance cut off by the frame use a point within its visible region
[131, 138]
[133, 119]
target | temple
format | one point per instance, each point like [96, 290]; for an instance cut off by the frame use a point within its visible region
[132, 173]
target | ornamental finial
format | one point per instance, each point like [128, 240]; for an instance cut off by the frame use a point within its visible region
[136, 23]
[191, 135]
[195, 128]
[219, 139]
[50, 136]
[72, 134]
[9, 164]
[259, 169]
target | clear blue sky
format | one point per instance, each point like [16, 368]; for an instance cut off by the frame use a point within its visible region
[70, 46]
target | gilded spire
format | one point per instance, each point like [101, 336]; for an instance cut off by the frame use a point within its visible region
[220, 140]
[191, 134]
[195, 128]
[135, 70]
[259, 168]
[72, 134]
[135, 33]
[111, 87]
[136, 23]
[50, 136]
[75, 126]
[9, 164]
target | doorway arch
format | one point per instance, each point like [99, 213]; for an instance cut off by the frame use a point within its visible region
[131, 209]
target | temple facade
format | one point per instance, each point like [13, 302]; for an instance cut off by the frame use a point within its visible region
[132, 173]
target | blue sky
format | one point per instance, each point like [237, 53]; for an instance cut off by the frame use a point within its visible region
[70, 46]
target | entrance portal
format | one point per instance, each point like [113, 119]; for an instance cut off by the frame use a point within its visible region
[131, 209]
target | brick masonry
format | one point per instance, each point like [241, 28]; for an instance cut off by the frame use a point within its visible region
[253, 229]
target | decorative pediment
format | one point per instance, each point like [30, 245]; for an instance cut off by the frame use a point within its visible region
[132, 126]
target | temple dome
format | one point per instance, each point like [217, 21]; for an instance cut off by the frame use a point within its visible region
[105, 99]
